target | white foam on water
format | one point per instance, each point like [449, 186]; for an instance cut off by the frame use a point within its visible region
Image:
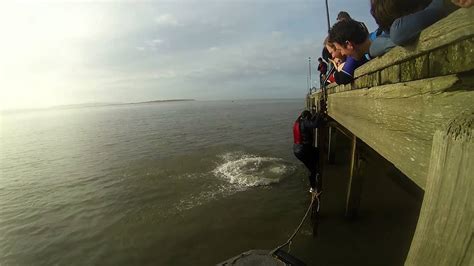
[248, 170]
[240, 172]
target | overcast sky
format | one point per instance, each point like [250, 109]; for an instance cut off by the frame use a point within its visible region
[67, 52]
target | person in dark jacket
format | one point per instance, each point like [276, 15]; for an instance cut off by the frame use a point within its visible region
[303, 144]
[322, 68]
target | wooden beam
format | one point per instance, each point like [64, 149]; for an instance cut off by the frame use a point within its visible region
[444, 234]
[354, 186]
[322, 144]
[399, 120]
[341, 129]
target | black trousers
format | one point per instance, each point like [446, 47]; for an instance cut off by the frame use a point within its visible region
[309, 156]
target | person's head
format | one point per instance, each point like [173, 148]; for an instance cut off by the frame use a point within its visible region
[387, 11]
[332, 49]
[343, 15]
[348, 36]
[463, 3]
[320, 60]
[305, 114]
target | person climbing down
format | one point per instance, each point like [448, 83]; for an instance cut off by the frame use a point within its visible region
[303, 145]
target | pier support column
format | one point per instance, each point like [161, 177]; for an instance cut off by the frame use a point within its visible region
[445, 229]
[354, 188]
[322, 147]
[332, 145]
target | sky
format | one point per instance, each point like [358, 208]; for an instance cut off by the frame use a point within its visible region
[70, 52]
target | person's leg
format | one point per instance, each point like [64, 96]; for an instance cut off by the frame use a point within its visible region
[313, 166]
[310, 161]
[309, 156]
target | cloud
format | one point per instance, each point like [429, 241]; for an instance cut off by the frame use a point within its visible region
[116, 51]
[277, 34]
[156, 41]
[168, 74]
[166, 20]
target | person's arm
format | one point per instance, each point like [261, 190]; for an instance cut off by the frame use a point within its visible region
[405, 29]
[314, 122]
[381, 45]
[342, 77]
[345, 73]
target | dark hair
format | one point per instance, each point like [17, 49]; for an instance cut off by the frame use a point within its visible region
[387, 11]
[325, 53]
[320, 59]
[348, 30]
[305, 114]
[343, 15]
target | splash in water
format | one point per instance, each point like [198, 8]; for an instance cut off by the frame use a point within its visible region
[250, 170]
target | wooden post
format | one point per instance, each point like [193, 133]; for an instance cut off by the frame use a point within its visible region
[354, 187]
[444, 234]
[332, 147]
[322, 142]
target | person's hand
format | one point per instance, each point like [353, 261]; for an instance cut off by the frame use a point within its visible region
[340, 66]
[322, 119]
[463, 3]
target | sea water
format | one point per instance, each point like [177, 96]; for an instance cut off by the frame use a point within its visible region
[180, 183]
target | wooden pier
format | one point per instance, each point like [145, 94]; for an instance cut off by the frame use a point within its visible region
[415, 107]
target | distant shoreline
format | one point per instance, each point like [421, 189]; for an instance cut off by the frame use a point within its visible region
[164, 101]
[85, 105]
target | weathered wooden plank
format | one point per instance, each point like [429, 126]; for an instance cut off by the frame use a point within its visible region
[452, 59]
[417, 68]
[390, 75]
[444, 234]
[457, 26]
[399, 120]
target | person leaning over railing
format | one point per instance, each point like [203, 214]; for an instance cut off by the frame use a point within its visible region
[351, 39]
[403, 20]
[337, 60]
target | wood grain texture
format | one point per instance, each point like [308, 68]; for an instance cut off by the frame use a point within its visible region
[399, 120]
[444, 234]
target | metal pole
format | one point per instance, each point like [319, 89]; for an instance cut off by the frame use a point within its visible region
[307, 83]
[327, 15]
[310, 80]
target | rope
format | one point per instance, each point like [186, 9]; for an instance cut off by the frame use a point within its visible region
[315, 195]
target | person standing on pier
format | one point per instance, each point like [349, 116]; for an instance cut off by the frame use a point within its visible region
[303, 147]
[322, 68]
